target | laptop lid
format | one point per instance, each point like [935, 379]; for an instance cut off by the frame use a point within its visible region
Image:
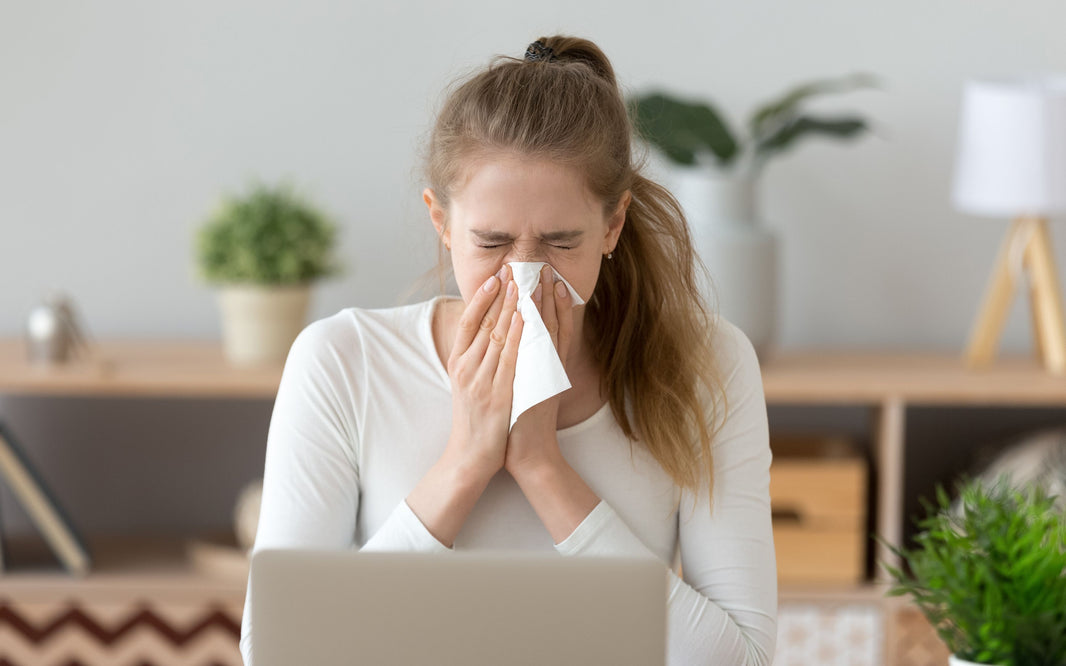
[346, 607]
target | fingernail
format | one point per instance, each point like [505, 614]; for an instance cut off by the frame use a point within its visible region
[537, 293]
[561, 290]
[512, 289]
[503, 272]
[490, 284]
[514, 318]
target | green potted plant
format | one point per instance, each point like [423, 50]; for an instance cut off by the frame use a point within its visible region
[264, 249]
[990, 574]
[694, 133]
[714, 174]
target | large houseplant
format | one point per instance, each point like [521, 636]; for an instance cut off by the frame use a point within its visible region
[695, 133]
[991, 575]
[715, 172]
[264, 249]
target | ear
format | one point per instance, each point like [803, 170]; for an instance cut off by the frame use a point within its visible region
[437, 216]
[617, 221]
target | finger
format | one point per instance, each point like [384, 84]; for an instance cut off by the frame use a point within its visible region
[509, 355]
[547, 306]
[565, 310]
[477, 348]
[470, 321]
[498, 339]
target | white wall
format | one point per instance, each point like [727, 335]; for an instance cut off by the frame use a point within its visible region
[122, 122]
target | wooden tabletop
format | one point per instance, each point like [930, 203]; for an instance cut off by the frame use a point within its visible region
[138, 368]
[197, 368]
[914, 378]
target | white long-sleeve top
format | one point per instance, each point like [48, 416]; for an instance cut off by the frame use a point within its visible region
[363, 411]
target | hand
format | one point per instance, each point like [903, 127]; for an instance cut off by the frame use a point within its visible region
[481, 368]
[532, 441]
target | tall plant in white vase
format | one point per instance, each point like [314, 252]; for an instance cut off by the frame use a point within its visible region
[715, 178]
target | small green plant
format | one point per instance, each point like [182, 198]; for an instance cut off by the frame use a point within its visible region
[685, 130]
[991, 576]
[269, 236]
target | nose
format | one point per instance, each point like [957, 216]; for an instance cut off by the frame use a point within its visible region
[525, 251]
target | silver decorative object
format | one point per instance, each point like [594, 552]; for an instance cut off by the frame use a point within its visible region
[53, 332]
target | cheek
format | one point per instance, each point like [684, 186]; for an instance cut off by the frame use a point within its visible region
[471, 272]
[581, 274]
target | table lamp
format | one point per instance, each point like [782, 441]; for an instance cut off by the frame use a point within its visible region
[1011, 163]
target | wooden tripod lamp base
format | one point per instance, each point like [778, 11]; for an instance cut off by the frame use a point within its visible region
[1029, 241]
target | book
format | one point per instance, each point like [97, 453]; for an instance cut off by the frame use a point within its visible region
[40, 503]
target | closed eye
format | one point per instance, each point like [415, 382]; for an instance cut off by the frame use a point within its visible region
[558, 247]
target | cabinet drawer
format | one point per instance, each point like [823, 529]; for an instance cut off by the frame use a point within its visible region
[818, 555]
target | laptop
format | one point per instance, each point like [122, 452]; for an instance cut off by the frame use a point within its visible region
[472, 608]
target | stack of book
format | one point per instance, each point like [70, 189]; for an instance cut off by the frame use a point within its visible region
[29, 488]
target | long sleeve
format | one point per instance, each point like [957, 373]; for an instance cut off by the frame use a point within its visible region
[311, 475]
[724, 609]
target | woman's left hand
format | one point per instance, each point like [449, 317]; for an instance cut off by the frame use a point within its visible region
[532, 442]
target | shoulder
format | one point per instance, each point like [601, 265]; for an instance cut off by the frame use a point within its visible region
[739, 373]
[352, 326]
[348, 340]
[732, 349]
[732, 346]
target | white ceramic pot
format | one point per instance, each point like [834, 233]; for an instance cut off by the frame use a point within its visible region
[740, 252]
[260, 322]
[955, 661]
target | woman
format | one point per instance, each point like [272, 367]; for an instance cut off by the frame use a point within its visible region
[391, 427]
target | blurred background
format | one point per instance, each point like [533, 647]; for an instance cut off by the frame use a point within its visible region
[122, 123]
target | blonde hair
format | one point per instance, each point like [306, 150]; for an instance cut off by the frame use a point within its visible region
[646, 321]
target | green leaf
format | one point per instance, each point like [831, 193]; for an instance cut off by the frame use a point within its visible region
[768, 117]
[682, 129]
[269, 235]
[992, 579]
[837, 127]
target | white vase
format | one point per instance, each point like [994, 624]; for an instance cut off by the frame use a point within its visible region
[260, 322]
[955, 661]
[740, 252]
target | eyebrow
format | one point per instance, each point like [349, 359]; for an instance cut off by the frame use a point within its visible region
[502, 236]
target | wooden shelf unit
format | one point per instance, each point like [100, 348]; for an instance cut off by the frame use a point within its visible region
[889, 383]
[886, 382]
[160, 569]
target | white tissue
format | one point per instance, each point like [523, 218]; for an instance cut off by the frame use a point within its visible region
[539, 372]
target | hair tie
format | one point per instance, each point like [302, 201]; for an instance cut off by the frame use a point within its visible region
[538, 51]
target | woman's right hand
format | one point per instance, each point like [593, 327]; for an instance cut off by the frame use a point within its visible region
[481, 367]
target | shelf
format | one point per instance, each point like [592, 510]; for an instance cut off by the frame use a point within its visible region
[797, 377]
[139, 368]
[197, 368]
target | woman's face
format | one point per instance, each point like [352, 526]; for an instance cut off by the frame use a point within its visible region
[515, 209]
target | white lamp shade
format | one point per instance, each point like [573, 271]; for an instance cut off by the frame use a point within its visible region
[1012, 147]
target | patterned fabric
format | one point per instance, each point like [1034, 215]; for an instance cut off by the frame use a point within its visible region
[830, 635]
[119, 634]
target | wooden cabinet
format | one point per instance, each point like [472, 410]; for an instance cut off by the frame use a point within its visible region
[146, 600]
[150, 588]
[888, 387]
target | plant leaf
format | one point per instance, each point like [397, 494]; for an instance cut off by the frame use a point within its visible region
[839, 127]
[682, 129]
[776, 112]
